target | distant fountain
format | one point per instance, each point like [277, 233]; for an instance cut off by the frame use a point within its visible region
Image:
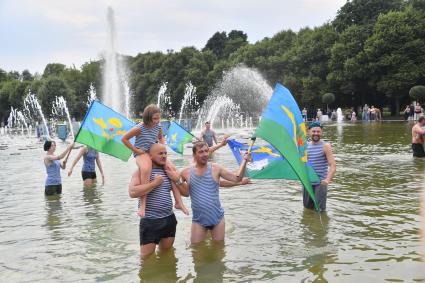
[115, 88]
[242, 86]
[32, 106]
[188, 99]
[17, 120]
[60, 109]
[161, 95]
[216, 106]
[339, 116]
[92, 95]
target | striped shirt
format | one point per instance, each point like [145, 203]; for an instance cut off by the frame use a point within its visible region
[147, 137]
[89, 158]
[316, 156]
[204, 195]
[158, 201]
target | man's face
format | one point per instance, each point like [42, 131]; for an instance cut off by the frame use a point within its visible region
[423, 123]
[201, 155]
[207, 126]
[316, 134]
[158, 154]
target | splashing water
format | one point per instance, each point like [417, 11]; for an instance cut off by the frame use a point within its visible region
[115, 88]
[60, 108]
[92, 95]
[188, 99]
[32, 106]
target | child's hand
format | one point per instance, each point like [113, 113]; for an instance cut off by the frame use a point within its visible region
[139, 151]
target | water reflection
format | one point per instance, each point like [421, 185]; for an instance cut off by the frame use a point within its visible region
[208, 261]
[54, 219]
[160, 267]
[315, 236]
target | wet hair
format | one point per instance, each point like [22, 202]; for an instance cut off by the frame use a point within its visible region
[47, 145]
[420, 119]
[198, 145]
[315, 124]
[148, 113]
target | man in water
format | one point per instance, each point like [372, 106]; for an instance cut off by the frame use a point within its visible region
[201, 182]
[158, 226]
[208, 135]
[417, 138]
[321, 157]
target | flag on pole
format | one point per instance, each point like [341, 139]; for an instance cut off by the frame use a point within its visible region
[177, 137]
[267, 163]
[103, 128]
[283, 127]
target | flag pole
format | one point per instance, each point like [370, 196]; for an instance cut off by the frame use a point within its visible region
[244, 161]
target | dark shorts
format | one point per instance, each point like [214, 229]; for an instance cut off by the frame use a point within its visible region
[52, 190]
[153, 230]
[320, 192]
[88, 175]
[418, 150]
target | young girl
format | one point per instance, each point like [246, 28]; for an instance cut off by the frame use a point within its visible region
[88, 172]
[147, 133]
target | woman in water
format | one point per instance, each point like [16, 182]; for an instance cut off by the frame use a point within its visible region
[88, 172]
[53, 184]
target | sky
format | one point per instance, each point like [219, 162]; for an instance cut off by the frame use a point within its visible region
[34, 33]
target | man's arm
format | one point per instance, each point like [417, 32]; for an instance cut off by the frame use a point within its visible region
[135, 189]
[228, 184]
[215, 138]
[331, 162]
[184, 186]
[217, 146]
[418, 130]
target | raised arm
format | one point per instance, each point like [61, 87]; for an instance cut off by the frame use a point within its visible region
[331, 162]
[80, 153]
[135, 189]
[99, 165]
[135, 131]
[60, 156]
[217, 146]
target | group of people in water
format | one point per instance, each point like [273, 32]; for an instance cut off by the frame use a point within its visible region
[156, 178]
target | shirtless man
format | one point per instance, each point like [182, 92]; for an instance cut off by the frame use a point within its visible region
[417, 138]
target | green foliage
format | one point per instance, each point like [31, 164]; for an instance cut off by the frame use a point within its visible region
[418, 93]
[372, 52]
[328, 98]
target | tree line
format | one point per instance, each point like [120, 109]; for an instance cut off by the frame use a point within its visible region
[371, 52]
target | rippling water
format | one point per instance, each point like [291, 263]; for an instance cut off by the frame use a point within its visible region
[370, 232]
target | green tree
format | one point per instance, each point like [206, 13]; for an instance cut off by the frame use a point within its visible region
[51, 88]
[418, 93]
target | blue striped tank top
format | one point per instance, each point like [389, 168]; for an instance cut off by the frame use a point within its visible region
[53, 173]
[316, 156]
[89, 158]
[204, 195]
[147, 137]
[158, 201]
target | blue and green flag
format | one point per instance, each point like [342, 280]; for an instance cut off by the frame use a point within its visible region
[103, 128]
[267, 163]
[177, 137]
[283, 127]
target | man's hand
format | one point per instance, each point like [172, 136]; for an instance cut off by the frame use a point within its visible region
[103, 179]
[245, 181]
[158, 180]
[69, 172]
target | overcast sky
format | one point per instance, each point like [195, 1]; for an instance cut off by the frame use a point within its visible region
[34, 33]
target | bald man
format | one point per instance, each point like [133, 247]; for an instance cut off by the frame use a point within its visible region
[158, 226]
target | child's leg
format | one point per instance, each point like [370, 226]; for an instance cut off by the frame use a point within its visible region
[178, 199]
[176, 193]
[145, 168]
